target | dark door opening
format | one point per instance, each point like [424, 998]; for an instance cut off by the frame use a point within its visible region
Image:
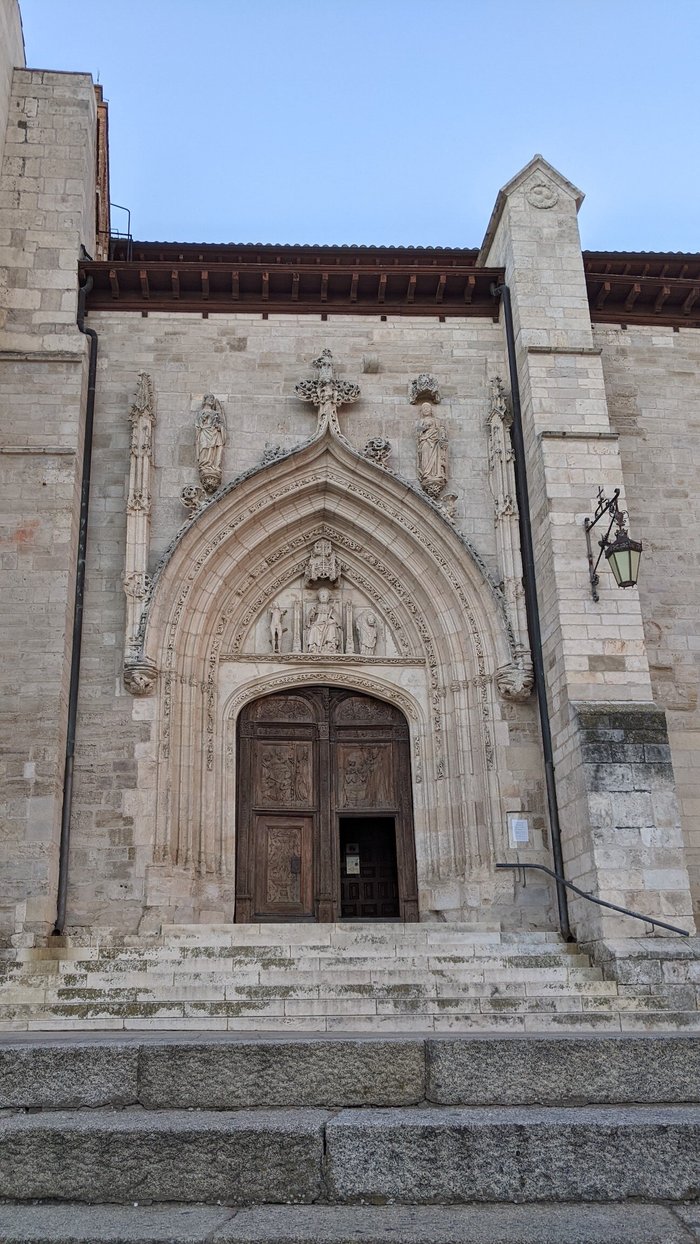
[369, 886]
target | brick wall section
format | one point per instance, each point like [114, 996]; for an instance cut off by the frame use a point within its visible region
[46, 212]
[651, 379]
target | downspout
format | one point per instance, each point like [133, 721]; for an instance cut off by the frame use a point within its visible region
[64, 848]
[533, 611]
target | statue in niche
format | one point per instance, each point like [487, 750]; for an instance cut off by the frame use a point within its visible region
[276, 627]
[210, 431]
[432, 452]
[367, 630]
[324, 635]
[322, 564]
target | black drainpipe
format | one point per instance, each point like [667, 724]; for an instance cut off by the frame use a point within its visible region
[533, 610]
[77, 614]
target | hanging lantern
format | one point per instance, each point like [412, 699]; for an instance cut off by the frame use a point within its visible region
[623, 557]
[622, 554]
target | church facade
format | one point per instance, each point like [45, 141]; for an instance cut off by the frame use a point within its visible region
[300, 684]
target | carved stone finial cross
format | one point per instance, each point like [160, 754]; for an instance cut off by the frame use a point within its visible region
[327, 393]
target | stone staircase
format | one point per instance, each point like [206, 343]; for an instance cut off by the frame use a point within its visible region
[370, 978]
[146, 1138]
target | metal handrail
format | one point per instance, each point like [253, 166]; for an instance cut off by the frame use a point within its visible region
[601, 902]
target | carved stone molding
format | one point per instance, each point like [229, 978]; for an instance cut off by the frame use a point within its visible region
[378, 449]
[516, 679]
[140, 677]
[193, 498]
[210, 438]
[271, 453]
[142, 418]
[542, 194]
[505, 513]
[424, 388]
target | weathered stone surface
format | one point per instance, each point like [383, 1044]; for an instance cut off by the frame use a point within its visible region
[469, 1224]
[172, 1155]
[322, 1224]
[562, 1071]
[55, 1075]
[110, 1224]
[224, 1076]
[516, 1154]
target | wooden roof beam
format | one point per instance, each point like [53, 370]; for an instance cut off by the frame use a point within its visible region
[440, 291]
[632, 296]
[411, 292]
[143, 279]
[353, 286]
[602, 295]
[469, 288]
[205, 284]
[266, 286]
[175, 282]
[381, 293]
[324, 287]
[295, 287]
[662, 296]
[114, 282]
[691, 300]
[235, 286]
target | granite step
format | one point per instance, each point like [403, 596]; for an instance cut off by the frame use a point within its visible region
[211, 1072]
[579, 1223]
[406, 1155]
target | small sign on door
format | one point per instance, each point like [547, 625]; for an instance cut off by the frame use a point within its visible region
[352, 859]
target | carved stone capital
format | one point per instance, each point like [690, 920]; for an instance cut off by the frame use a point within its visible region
[516, 679]
[140, 676]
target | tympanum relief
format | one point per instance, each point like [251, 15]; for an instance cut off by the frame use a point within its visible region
[323, 614]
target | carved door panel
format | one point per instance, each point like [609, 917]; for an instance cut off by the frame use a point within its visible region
[283, 867]
[310, 763]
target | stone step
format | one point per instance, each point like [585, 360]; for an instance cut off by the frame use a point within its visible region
[579, 1223]
[408, 1155]
[226, 1073]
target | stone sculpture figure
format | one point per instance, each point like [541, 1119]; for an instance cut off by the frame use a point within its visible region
[210, 430]
[367, 630]
[432, 452]
[324, 634]
[276, 627]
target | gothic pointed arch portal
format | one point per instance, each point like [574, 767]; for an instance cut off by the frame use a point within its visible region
[323, 568]
[325, 815]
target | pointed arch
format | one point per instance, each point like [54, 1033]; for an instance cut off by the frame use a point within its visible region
[232, 558]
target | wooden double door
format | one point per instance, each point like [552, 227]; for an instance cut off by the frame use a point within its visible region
[325, 815]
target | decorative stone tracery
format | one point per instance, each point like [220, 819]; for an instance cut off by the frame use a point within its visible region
[142, 417]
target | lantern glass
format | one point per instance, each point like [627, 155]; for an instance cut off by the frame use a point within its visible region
[623, 559]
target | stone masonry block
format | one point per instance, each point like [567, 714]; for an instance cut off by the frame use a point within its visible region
[225, 1076]
[129, 1156]
[599, 1153]
[548, 1071]
[57, 1075]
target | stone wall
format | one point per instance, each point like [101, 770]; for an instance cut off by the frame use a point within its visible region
[252, 366]
[46, 213]
[11, 57]
[651, 380]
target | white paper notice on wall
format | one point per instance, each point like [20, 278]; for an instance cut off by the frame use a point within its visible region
[519, 830]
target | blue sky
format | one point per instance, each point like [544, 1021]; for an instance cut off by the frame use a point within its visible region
[387, 121]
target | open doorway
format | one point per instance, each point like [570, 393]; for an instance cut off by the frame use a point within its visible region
[369, 885]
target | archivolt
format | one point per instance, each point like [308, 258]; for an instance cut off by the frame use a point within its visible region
[251, 541]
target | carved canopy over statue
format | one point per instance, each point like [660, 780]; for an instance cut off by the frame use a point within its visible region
[210, 431]
[432, 451]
